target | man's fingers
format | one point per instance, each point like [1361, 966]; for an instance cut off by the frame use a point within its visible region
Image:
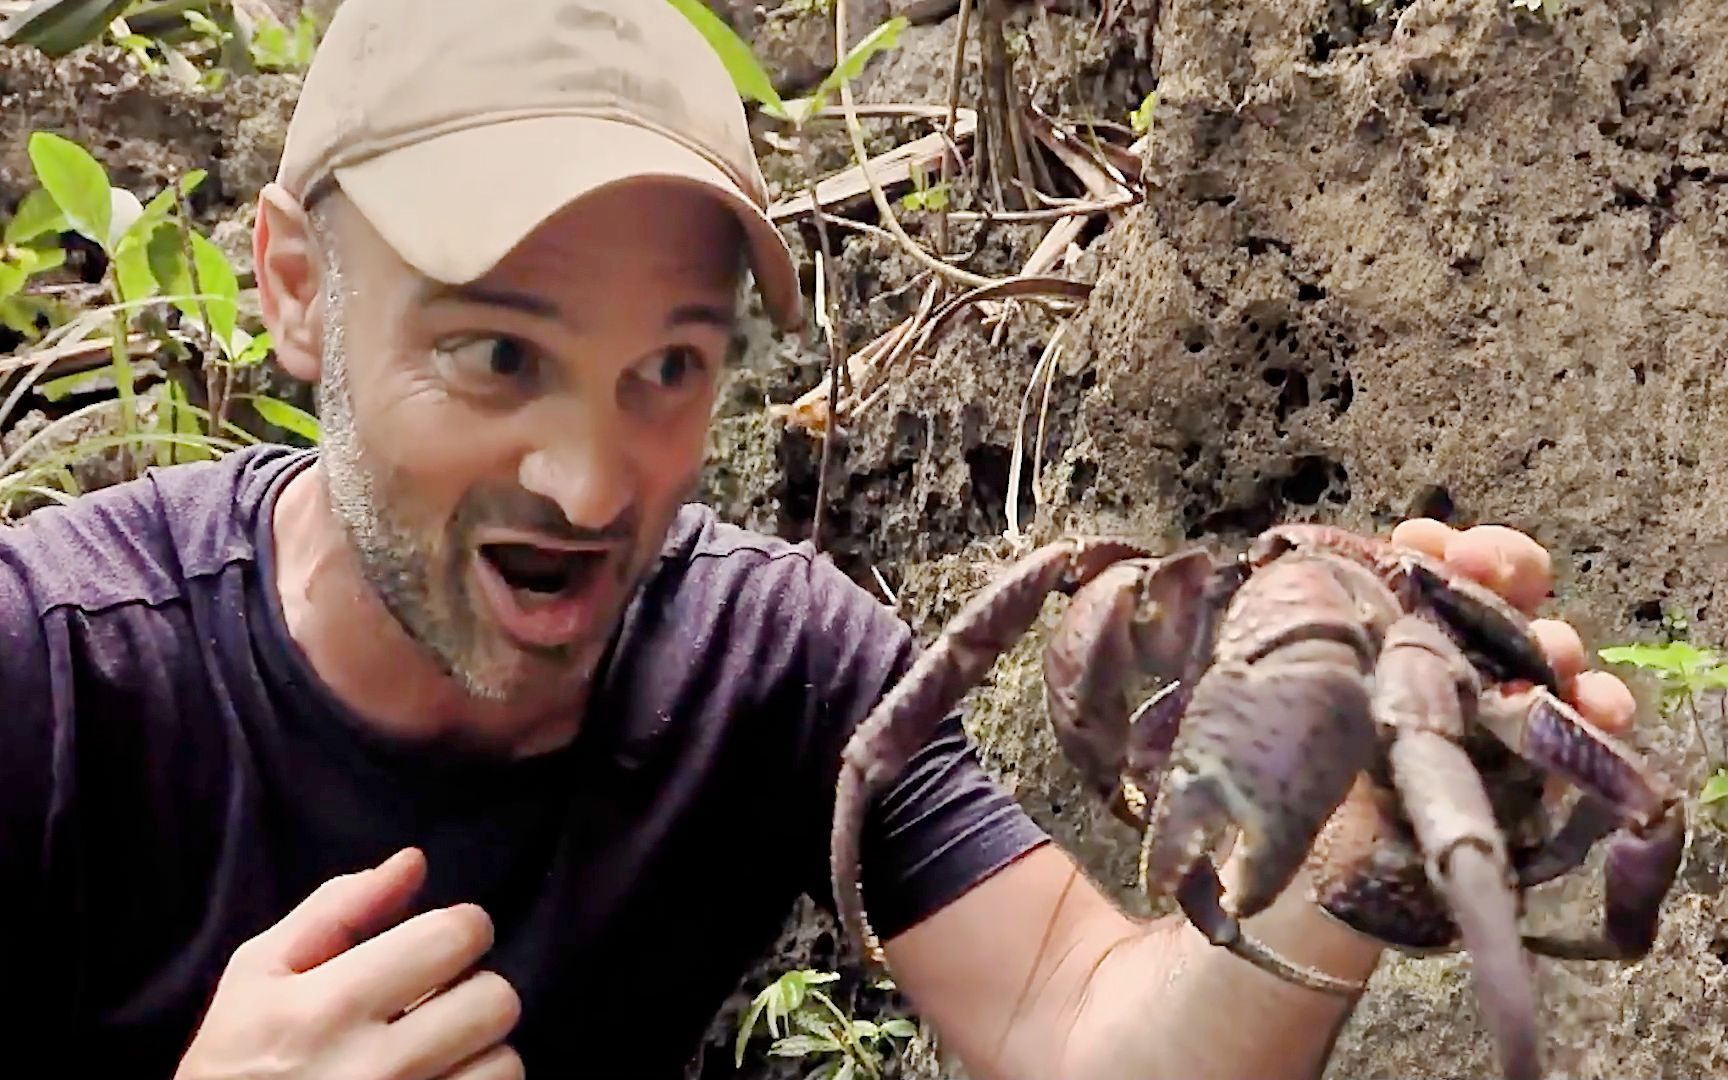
[392, 971]
[1426, 535]
[1564, 649]
[464, 1024]
[498, 1063]
[1506, 560]
[1604, 701]
[343, 912]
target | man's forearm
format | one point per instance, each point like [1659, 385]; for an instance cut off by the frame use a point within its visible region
[1210, 1014]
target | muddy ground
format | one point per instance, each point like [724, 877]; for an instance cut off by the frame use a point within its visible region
[1450, 257]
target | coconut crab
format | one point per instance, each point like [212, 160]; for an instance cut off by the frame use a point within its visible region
[1317, 663]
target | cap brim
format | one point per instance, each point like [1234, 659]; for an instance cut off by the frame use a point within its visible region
[450, 212]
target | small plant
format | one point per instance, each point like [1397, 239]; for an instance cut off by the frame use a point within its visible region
[1685, 674]
[158, 266]
[924, 195]
[1141, 118]
[806, 1024]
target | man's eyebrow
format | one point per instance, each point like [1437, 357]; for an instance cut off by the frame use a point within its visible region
[686, 314]
[504, 298]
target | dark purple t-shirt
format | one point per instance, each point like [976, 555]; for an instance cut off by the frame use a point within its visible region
[174, 778]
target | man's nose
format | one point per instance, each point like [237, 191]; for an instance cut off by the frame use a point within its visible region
[586, 476]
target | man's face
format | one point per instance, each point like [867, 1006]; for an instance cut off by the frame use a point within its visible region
[506, 457]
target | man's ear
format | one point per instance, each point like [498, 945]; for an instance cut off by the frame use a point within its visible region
[285, 261]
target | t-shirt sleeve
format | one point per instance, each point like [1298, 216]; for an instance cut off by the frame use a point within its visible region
[944, 825]
[27, 770]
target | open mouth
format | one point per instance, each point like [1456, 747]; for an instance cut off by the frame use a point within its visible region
[536, 573]
[542, 597]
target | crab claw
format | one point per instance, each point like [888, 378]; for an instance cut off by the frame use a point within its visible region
[1644, 855]
[1271, 748]
[1139, 617]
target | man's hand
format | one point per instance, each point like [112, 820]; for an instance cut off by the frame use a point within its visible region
[1518, 568]
[317, 995]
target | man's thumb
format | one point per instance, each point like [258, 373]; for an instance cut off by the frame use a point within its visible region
[347, 910]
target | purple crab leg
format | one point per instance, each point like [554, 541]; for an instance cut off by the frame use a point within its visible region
[1201, 897]
[1591, 820]
[1643, 857]
[985, 627]
[1424, 690]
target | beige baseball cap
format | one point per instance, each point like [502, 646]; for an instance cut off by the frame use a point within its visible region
[458, 126]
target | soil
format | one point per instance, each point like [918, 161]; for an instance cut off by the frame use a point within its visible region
[1451, 257]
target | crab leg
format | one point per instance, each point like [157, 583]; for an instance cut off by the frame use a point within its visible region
[1591, 819]
[1201, 897]
[1643, 858]
[1424, 689]
[903, 721]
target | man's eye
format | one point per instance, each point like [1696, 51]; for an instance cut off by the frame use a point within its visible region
[671, 368]
[486, 360]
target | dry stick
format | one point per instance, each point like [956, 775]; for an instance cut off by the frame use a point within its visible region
[1011, 217]
[1043, 416]
[1012, 507]
[826, 316]
[948, 131]
[953, 273]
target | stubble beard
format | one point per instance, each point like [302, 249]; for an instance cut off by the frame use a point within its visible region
[396, 560]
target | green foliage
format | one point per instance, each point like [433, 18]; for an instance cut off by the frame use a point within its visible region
[1141, 118]
[805, 1022]
[753, 82]
[1685, 673]
[57, 27]
[196, 42]
[168, 285]
[923, 195]
[748, 76]
[1683, 670]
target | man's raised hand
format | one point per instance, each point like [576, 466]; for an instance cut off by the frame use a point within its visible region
[329, 991]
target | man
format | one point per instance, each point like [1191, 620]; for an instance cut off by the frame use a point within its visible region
[463, 748]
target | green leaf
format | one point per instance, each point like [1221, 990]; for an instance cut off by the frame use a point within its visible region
[1715, 789]
[57, 27]
[18, 314]
[77, 182]
[882, 38]
[38, 215]
[132, 269]
[216, 279]
[899, 1028]
[1141, 118]
[1675, 658]
[252, 350]
[156, 211]
[847, 1070]
[66, 385]
[747, 75]
[802, 1046]
[288, 418]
